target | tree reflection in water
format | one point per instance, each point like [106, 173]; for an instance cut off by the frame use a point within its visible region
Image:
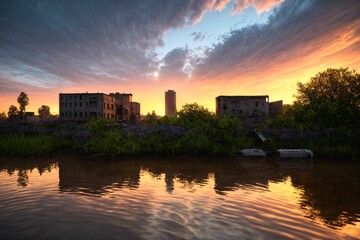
[23, 179]
[328, 190]
[24, 166]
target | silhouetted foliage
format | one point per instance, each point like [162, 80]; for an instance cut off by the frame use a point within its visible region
[330, 99]
[44, 111]
[340, 86]
[23, 101]
[13, 111]
[151, 118]
[3, 116]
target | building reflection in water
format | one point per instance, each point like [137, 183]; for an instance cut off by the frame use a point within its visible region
[97, 176]
[328, 190]
[170, 182]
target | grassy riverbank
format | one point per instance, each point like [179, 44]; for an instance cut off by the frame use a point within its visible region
[33, 145]
[195, 131]
[109, 139]
[193, 142]
[115, 143]
[326, 142]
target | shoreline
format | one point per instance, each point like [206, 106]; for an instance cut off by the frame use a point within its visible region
[24, 146]
[108, 139]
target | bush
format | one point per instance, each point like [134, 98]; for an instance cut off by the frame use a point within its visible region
[101, 125]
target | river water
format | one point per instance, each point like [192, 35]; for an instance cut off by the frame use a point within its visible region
[66, 197]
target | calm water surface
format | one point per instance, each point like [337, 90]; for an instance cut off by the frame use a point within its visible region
[74, 198]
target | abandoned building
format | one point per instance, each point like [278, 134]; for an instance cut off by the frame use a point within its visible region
[275, 108]
[81, 107]
[253, 110]
[123, 105]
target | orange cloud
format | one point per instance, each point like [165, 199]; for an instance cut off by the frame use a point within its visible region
[300, 39]
[259, 5]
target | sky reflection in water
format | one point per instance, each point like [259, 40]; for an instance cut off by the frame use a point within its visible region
[178, 198]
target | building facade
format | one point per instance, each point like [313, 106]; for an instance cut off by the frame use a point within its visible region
[30, 117]
[135, 111]
[123, 103]
[81, 107]
[170, 103]
[253, 110]
[275, 108]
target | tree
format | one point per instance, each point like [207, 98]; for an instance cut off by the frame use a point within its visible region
[195, 115]
[330, 99]
[44, 111]
[13, 111]
[151, 118]
[23, 101]
[340, 86]
[3, 116]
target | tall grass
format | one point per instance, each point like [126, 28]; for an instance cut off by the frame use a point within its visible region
[217, 136]
[112, 142]
[322, 147]
[32, 145]
[194, 142]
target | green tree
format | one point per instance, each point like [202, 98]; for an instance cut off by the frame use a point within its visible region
[194, 115]
[13, 111]
[330, 99]
[23, 101]
[44, 111]
[101, 125]
[340, 86]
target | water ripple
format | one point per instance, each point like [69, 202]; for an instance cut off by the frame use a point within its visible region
[129, 203]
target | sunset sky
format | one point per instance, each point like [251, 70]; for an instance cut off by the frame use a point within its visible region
[199, 48]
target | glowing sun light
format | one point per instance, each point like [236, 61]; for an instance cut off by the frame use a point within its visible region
[156, 74]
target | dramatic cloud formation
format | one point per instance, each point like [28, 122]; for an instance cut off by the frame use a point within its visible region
[299, 33]
[47, 47]
[174, 64]
[89, 40]
[259, 5]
